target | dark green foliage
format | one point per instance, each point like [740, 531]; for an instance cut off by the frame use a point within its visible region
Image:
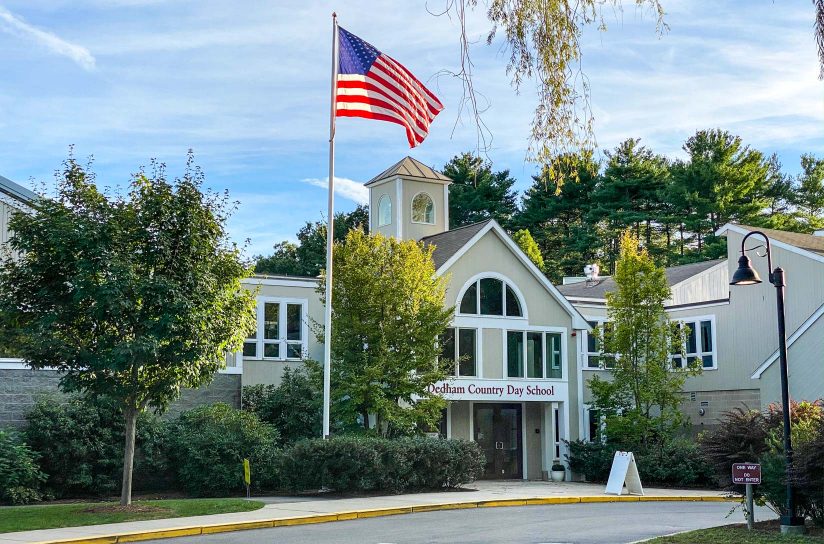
[207, 446]
[293, 407]
[308, 256]
[477, 193]
[357, 464]
[677, 462]
[20, 478]
[756, 436]
[80, 446]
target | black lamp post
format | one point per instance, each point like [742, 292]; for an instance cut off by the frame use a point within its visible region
[746, 275]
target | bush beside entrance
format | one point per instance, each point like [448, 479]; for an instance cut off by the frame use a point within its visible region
[72, 450]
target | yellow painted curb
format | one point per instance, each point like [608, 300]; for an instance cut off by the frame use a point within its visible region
[153, 535]
[445, 506]
[377, 512]
[384, 512]
[502, 502]
[305, 520]
[240, 526]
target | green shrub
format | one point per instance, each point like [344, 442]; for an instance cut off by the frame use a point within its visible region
[676, 462]
[80, 445]
[755, 436]
[293, 407]
[207, 446]
[20, 478]
[357, 464]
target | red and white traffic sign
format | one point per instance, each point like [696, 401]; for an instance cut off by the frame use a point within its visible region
[746, 473]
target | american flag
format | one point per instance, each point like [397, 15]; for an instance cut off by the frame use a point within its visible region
[373, 85]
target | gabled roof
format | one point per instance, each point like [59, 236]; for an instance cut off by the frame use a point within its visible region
[598, 289]
[450, 242]
[16, 191]
[810, 245]
[410, 168]
[455, 243]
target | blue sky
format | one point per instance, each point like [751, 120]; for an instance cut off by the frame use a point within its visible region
[246, 85]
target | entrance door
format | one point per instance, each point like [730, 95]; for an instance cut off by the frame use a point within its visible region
[498, 432]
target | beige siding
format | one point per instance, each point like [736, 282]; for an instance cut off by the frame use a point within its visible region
[5, 216]
[375, 193]
[805, 365]
[712, 284]
[260, 371]
[532, 432]
[492, 353]
[416, 231]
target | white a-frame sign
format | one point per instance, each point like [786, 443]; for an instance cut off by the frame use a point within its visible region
[624, 471]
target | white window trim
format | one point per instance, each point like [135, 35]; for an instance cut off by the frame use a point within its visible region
[282, 342]
[600, 320]
[601, 424]
[380, 200]
[478, 353]
[562, 331]
[507, 282]
[696, 320]
[412, 209]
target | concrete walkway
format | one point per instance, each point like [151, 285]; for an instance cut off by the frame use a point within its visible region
[281, 511]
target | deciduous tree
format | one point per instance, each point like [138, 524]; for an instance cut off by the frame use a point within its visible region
[131, 298]
[387, 313]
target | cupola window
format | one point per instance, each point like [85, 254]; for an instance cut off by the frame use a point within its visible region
[384, 211]
[423, 209]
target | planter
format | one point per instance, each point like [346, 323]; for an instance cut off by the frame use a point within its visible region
[557, 475]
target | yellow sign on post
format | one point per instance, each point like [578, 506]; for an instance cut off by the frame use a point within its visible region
[247, 475]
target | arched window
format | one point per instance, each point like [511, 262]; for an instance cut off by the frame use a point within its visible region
[423, 209]
[491, 296]
[384, 211]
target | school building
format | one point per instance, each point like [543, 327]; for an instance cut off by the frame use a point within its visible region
[525, 346]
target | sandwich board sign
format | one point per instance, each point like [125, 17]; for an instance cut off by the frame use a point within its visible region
[624, 471]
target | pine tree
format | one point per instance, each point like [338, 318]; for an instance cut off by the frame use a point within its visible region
[477, 193]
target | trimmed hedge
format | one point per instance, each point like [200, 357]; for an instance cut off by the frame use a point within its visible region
[358, 464]
[678, 462]
[207, 446]
[20, 478]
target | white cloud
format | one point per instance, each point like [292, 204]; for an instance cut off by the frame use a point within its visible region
[347, 188]
[15, 25]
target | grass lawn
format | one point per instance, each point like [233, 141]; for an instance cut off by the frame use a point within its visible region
[767, 532]
[51, 516]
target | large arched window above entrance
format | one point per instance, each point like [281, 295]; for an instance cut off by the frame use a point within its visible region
[423, 209]
[492, 296]
[384, 211]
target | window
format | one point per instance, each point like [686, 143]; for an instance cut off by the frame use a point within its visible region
[699, 345]
[594, 424]
[423, 209]
[491, 296]
[533, 354]
[281, 330]
[461, 348]
[384, 211]
[595, 356]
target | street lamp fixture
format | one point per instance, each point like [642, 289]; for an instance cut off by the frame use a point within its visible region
[747, 275]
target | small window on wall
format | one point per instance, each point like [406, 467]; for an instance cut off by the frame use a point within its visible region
[384, 211]
[423, 209]
[698, 347]
[280, 331]
[596, 357]
[460, 347]
[533, 354]
[491, 296]
[593, 425]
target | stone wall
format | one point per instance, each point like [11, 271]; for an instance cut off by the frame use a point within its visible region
[715, 403]
[20, 388]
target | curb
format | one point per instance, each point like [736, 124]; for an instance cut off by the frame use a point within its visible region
[195, 530]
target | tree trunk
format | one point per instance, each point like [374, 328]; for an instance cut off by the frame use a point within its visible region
[128, 456]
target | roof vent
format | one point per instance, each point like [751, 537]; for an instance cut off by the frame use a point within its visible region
[819, 232]
[591, 272]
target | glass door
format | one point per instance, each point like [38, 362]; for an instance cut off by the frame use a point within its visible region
[498, 431]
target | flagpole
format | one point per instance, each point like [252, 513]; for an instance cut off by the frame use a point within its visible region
[330, 230]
